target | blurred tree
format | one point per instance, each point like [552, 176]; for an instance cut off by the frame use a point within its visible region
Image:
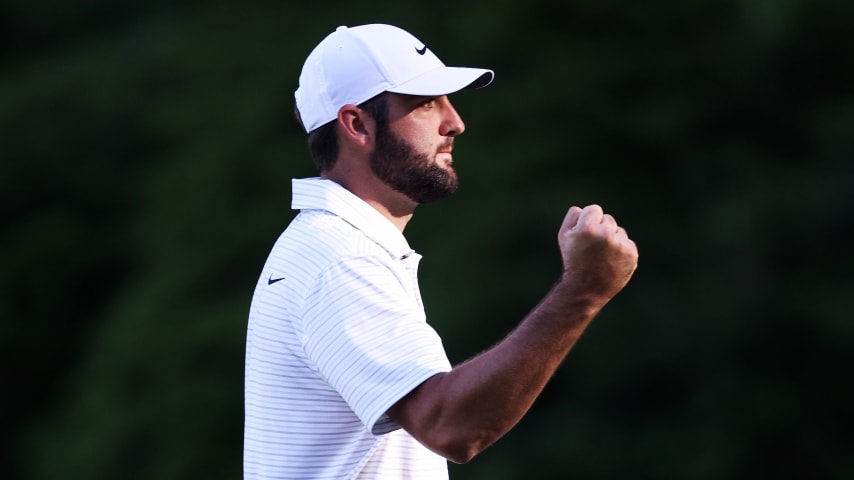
[147, 150]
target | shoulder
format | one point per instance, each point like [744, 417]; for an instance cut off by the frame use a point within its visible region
[316, 240]
[323, 233]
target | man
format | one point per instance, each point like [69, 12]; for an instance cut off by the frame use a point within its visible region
[344, 377]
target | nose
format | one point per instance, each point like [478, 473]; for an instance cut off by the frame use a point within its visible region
[452, 124]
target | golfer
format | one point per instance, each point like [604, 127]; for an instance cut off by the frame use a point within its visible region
[345, 378]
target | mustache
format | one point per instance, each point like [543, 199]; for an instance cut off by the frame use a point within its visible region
[446, 146]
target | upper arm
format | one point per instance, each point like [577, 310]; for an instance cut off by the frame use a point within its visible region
[428, 415]
[368, 338]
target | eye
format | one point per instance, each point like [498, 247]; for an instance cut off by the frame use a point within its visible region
[428, 103]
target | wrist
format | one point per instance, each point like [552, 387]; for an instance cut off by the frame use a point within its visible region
[576, 295]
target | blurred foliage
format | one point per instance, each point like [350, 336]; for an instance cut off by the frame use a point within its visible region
[147, 151]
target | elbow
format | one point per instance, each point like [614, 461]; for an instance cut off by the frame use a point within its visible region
[460, 450]
[460, 455]
[463, 457]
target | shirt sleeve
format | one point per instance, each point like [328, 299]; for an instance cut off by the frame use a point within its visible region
[368, 337]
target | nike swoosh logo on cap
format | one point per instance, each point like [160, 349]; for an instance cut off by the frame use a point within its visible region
[422, 50]
[272, 280]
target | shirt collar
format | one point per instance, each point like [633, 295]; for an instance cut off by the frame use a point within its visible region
[324, 194]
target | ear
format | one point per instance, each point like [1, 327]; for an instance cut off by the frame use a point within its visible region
[355, 125]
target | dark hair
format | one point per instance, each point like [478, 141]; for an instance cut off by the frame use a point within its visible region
[323, 140]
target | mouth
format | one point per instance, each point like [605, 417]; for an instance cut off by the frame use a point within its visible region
[444, 158]
[443, 153]
[446, 146]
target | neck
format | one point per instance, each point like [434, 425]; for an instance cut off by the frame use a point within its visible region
[393, 205]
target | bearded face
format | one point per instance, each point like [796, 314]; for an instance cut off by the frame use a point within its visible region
[415, 174]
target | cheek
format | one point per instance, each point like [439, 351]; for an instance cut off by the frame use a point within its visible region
[422, 146]
[420, 135]
[428, 149]
[425, 144]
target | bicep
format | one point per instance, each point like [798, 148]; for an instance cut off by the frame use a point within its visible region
[368, 338]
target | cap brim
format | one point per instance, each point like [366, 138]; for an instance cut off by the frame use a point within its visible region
[445, 80]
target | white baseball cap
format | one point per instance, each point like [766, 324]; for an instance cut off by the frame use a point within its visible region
[352, 65]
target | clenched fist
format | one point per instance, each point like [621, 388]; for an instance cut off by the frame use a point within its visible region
[599, 258]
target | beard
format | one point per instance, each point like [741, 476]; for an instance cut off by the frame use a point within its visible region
[416, 175]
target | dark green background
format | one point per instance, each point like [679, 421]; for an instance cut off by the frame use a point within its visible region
[147, 150]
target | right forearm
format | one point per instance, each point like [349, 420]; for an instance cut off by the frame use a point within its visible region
[459, 413]
[495, 389]
[481, 399]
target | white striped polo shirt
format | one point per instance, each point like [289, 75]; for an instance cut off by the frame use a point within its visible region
[337, 334]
